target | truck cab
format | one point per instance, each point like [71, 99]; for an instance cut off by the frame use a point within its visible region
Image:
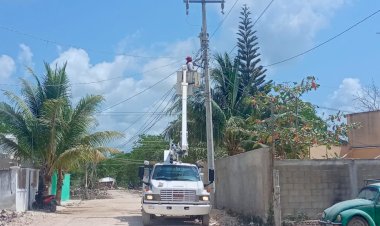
[174, 189]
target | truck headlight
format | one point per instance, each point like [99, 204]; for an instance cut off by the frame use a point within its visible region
[149, 197]
[339, 218]
[204, 198]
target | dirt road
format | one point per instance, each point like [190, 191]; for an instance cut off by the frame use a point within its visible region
[123, 208]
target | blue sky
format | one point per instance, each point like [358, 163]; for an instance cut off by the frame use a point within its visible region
[97, 39]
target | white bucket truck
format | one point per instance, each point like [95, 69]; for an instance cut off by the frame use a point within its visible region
[173, 188]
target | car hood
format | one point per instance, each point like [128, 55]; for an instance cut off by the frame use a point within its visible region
[334, 210]
[188, 185]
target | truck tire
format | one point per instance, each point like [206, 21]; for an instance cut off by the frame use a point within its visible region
[146, 218]
[205, 220]
[357, 221]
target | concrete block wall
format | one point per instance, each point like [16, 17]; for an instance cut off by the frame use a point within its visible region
[306, 186]
[366, 169]
[242, 183]
[310, 186]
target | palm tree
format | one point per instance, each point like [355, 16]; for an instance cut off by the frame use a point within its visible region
[51, 133]
[76, 144]
[226, 91]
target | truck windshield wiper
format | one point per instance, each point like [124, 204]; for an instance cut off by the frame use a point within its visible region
[184, 179]
[161, 178]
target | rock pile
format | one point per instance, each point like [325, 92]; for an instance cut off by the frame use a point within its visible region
[7, 216]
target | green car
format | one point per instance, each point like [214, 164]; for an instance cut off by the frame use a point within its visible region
[362, 211]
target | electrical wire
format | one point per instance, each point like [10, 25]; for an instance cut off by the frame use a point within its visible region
[263, 12]
[105, 80]
[254, 23]
[137, 94]
[122, 113]
[222, 21]
[47, 41]
[163, 98]
[325, 42]
[149, 125]
[142, 128]
[332, 109]
[316, 106]
[145, 128]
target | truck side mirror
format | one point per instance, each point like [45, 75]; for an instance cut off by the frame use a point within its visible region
[211, 175]
[141, 172]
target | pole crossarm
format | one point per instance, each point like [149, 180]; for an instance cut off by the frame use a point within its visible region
[187, 2]
[206, 1]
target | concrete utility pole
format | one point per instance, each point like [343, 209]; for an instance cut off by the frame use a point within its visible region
[205, 58]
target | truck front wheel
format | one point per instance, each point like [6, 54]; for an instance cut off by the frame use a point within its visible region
[146, 218]
[205, 220]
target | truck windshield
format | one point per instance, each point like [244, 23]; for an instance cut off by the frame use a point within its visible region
[175, 172]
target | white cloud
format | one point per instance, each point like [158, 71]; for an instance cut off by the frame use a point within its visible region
[127, 42]
[25, 56]
[287, 28]
[7, 66]
[343, 97]
[81, 70]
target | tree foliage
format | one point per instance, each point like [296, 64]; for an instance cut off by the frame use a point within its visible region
[196, 115]
[51, 132]
[124, 166]
[251, 72]
[226, 90]
[293, 125]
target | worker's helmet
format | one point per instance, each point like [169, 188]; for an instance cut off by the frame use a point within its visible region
[189, 59]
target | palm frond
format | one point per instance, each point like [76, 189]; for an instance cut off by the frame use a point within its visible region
[19, 103]
[98, 139]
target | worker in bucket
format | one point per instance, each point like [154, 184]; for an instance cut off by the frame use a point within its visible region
[189, 63]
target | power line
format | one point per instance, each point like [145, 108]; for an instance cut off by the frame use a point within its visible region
[323, 43]
[146, 127]
[152, 123]
[121, 113]
[105, 80]
[332, 109]
[146, 124]
[262, 13]
[163, 98]
[222, 21]
[317, 106]
[63, 44]
[144, 90]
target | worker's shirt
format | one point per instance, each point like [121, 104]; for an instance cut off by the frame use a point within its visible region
[190, 66]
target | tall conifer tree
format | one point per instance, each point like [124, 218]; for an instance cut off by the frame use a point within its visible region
[251, 72]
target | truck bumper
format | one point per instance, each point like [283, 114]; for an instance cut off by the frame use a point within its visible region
[176, 209]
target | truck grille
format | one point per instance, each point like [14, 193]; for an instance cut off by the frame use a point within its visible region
[178, 196]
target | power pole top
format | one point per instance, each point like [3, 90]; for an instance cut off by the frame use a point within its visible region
[203, 1]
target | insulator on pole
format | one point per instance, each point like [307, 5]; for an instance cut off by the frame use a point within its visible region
[187, 7]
